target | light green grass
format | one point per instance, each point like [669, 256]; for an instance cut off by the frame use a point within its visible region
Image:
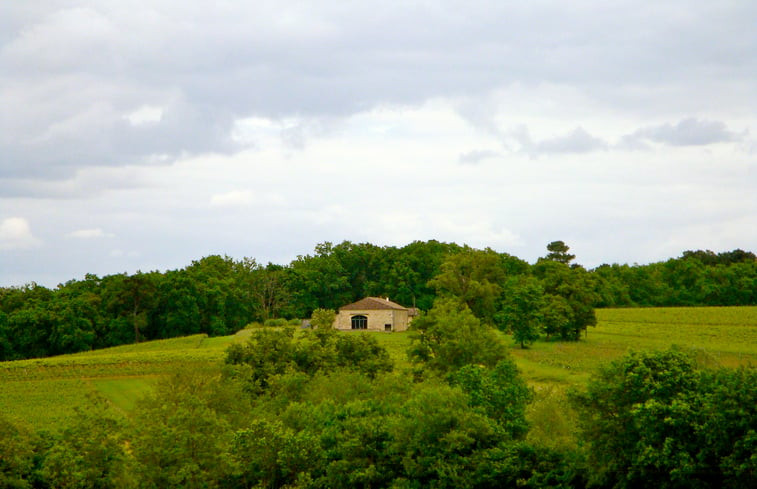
[45, 404]
[719, 336]
[123, 393]
[44, 392]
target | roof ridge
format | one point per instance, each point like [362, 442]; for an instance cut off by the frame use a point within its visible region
[366, 302]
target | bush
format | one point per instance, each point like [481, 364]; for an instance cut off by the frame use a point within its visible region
[16, 455]
[654, 420]
[271, 353]
[323, 318]
[450, 337]
[278, 322]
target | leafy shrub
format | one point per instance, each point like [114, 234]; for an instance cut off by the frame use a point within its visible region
[16, 455]
[450, 337]
[273, 352]
[323, 318]
[277, 322]
[653, 419]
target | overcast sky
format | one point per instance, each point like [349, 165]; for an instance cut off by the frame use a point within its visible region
[141, 135]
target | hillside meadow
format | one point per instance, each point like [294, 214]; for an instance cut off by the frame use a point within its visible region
[43, 393]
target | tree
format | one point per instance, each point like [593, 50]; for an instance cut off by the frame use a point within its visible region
[439, 437]
[449, 337]
[132, 297]
[558, 251]
[522, 309]
[184, 431]
[270, 353]
[261, 288]
[472, 277]
[270, 454]
[16, 455]
[413, 267]
[557, 317]
[323, 319]
[317, 281]
[653, 419]
[499, 392]
[610, 415]
[575, 289]
[91, 452]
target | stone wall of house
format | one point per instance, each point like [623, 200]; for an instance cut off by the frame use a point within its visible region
[377, 319]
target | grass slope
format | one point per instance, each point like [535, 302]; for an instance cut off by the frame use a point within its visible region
[44, 392]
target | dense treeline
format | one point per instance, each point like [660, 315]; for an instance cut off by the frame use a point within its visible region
[697, 278]
[323, 409]
[214, 295]
[219, 295]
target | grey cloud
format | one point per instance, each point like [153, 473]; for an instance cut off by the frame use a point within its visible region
[687, 132]
[576, 141]
[67, 75]
[476, 156]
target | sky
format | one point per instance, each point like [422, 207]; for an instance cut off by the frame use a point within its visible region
[142, 135]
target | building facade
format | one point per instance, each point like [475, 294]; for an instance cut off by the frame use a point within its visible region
[374, 314]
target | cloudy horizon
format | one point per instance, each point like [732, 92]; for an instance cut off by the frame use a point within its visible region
[143, 135]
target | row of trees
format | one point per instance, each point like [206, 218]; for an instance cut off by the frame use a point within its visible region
[219, 295]
[214, 295]
[697, 278]
[323, 409]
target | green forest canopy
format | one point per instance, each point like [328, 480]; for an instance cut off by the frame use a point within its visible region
[219, 295]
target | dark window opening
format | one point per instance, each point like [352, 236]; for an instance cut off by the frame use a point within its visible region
[359, 322]
[387, 327]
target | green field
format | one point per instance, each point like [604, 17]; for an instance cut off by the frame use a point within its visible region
[724, 336]
[44, 392]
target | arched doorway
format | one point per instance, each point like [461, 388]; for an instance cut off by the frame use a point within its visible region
[359, 322]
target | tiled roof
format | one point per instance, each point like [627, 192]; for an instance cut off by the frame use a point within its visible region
[372, 303]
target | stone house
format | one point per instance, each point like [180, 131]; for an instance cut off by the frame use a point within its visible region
[374, 314]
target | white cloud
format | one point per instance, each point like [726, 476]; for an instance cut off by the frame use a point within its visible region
[476, 231]
[147, 114]
[16, 234]
[233, 198]
[184, 128]
[93, 233]
[245, 198]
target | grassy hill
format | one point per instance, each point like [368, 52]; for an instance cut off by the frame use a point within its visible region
[44, 392]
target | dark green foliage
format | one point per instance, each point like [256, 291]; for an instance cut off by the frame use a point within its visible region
[218, 295]
[271, 353]
[500, 393]
[524, 465]
[473, 277]
[558, 251]
[697, 278]
[570, 298]
[654, 420]
[270, 454]
[438, 437]
[522, 309]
